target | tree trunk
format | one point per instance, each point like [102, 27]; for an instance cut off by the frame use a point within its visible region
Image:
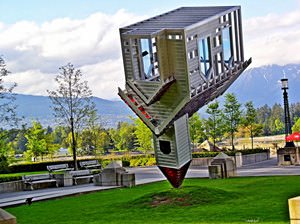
[73, 145]
[232, 145]
[251, 139]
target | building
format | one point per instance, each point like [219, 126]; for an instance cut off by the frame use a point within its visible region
[174, 64]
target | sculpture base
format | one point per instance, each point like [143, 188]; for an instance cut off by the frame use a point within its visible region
[175, 176]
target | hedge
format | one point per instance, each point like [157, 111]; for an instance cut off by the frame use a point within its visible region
[229, 153]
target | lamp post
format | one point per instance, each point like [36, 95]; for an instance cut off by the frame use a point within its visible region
[287, 119]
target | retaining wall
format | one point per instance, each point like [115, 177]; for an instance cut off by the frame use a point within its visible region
[242, 159]
[12, 186]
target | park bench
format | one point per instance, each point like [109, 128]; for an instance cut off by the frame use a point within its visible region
[38, 181]
[59, 167]
[81, 176]
[90, 164]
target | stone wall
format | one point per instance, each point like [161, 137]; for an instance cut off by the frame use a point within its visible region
[12, 186]
[255, 158]
[242, 159]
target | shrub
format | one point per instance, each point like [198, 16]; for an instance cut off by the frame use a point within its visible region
[37, 166]
[3, 164]
[9, 178]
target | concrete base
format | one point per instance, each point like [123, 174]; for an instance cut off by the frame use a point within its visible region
[294, 208]
[215, 171]
[64, 179]
[7, 218]
[97, 180]
[128, 180]
[288, 156]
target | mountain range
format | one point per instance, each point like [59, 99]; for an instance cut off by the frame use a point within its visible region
[39, 108]
[260, 85]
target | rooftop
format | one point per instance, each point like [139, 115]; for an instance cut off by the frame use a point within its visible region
[177, 19]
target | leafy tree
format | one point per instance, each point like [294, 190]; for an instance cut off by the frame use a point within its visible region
[124, 136]
[249, 121]
[36, 142]
[197, 129]
[231, 115]
[60, 135]
[6, 151]
[295, 111]
[7, 98]
[296, 126]
[95, 138]
[279, 126]
[143, 136]
[72, 103]
[214, 123]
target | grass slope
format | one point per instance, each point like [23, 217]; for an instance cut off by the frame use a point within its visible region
[236, 200]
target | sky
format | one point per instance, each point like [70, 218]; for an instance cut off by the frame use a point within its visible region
[37, 37]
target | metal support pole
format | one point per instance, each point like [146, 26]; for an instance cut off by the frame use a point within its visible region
[287, 119]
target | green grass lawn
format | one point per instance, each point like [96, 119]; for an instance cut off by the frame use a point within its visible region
[235, 200]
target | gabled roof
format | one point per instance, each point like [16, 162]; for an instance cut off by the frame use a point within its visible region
[180, 18]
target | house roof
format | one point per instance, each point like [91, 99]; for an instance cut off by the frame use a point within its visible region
[180, 18]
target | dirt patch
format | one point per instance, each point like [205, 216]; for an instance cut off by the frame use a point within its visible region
[165, 200]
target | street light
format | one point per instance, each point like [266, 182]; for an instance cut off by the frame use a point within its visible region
[287, 119]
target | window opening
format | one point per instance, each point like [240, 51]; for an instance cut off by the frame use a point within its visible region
[204, 55]
[147, 60]
[227, 47]
[165, 146]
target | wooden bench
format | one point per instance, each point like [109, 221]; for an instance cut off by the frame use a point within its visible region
[38, 180]
[90, 164]
[59, 167]
[81, 176]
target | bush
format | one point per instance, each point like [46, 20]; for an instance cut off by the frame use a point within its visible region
[204, 154]
[3, 164]
[9, 178]
[229, 153]
[37, 166]
[252, 151]
[143, 161]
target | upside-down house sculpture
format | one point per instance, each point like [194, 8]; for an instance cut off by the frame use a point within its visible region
[174, 64]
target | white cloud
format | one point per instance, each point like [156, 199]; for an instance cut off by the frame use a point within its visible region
[32, 82]
[273, 39]
[34, 52]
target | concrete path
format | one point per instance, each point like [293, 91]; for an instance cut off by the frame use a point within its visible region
[143, 175]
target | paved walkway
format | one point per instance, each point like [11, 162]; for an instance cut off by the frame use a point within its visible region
[143, 176]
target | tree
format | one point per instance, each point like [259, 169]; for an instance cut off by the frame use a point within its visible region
[249, 121]
[263, 117]
[214, 123]
[143, 136]
[72, 102]
[7, 98]
[296, 126]
[197, 129]
[231, 115]
[124, 136]
[36, 142]
[276, 119]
